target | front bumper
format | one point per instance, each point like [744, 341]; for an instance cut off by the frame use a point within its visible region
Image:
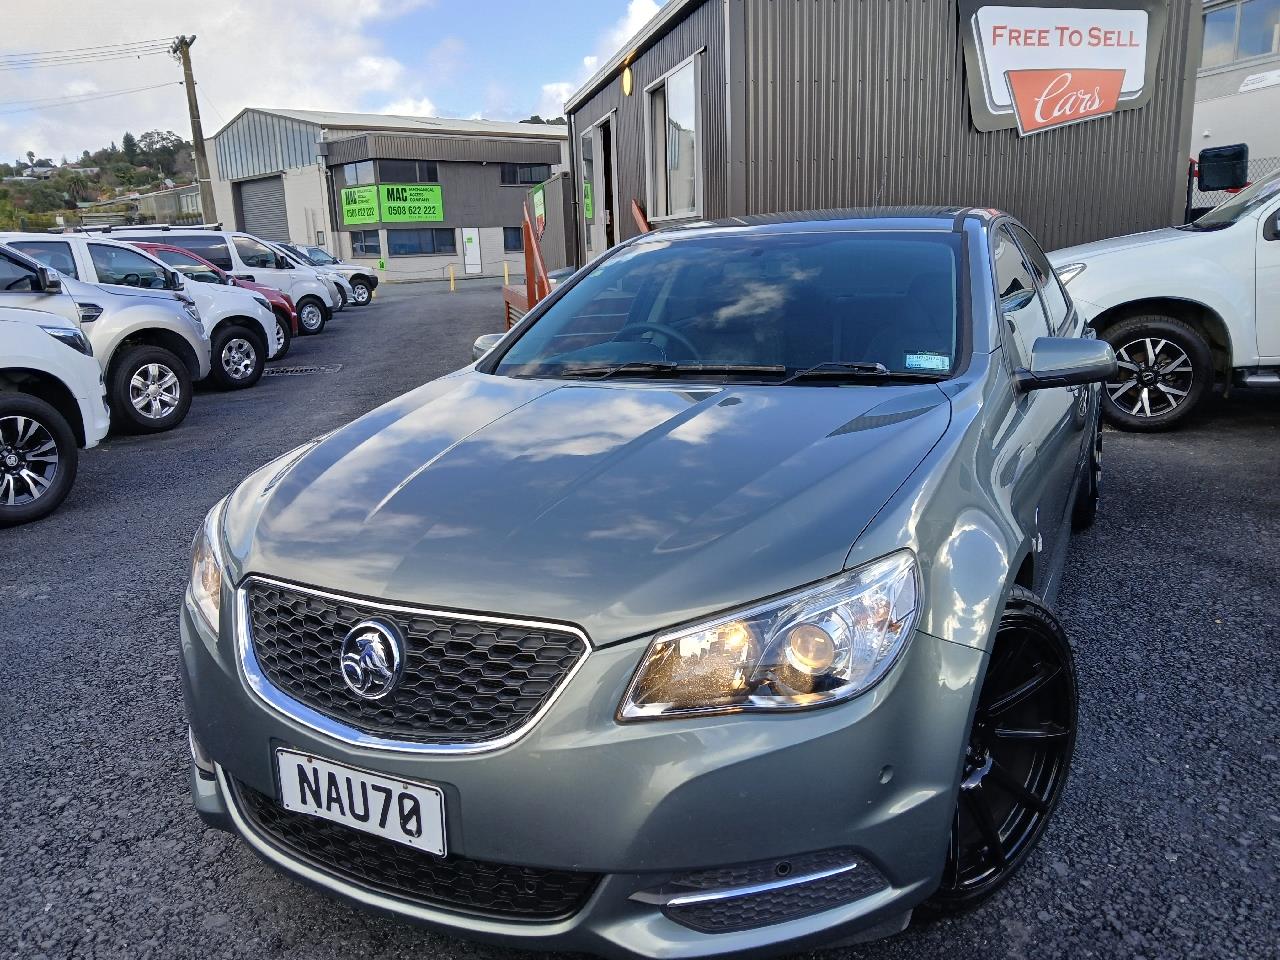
[642, 804]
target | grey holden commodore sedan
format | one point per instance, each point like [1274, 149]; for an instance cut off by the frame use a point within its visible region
[708, 612]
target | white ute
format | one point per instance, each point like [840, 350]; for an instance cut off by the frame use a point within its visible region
[1185, 307]
[240, 324]
[52, 403]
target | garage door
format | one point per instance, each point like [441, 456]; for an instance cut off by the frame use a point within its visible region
[262, 208]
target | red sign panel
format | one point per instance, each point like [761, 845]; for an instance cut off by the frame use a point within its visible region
[1043, 99]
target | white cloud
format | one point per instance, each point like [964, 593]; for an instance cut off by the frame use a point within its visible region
[307, 54]
[555, 93]
[410, 107]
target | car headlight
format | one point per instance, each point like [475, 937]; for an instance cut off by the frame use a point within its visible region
[828, 642]
[72, 337]
[191, 310]
[1069, 271]
[207, 567]
[263, 302]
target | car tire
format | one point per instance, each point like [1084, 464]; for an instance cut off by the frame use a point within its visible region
[1016, 759]
[31, 433]
[135, 409]
[312, 316]
[1085, 509]
[361, 291]
[239, 355]
[284, 340]
[1166, 369]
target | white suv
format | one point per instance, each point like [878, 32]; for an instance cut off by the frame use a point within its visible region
[52, 402]
[1185, 307]
[240, 324]
[247, 258]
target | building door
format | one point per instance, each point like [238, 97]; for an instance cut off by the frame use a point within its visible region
[261, 207]
[471, 262]
[605, 142]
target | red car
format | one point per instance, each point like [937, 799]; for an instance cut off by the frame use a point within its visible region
[201, 270]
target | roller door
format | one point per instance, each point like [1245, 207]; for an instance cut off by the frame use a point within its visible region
[262, 208]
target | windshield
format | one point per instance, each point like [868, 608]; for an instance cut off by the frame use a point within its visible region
[1241, 205]
[786, 302]
[318, 255]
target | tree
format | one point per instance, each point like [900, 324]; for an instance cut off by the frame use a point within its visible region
[77, 186]
[162, 149]
[129, 146]
[31, 158]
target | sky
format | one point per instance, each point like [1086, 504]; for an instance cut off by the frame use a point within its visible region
[497, 59]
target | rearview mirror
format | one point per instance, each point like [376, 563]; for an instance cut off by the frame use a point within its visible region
[1067, 362]
[50, 280]
[484, 343]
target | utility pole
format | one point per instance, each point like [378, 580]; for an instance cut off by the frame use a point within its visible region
[181, 51]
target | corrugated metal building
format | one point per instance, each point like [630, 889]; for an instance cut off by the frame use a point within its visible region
[412, 196]
[729, 107]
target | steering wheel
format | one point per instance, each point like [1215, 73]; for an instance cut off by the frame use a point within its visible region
[131, 280]
[637, 330]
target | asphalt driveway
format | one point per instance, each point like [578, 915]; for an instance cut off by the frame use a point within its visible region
[1167, 843]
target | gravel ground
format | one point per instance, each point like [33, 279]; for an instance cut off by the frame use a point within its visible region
[1167, 843]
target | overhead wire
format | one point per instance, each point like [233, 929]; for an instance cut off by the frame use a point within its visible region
[35, 106]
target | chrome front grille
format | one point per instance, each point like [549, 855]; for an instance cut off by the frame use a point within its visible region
[466, 682]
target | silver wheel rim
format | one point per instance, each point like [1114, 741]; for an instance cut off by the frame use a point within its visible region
[361, 293]
[1155, 378]
[154, 391]
[310, 316]
[28, 460]
[238, 358]
[281, 336]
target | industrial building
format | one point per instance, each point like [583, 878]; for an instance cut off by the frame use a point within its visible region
[1074, 115]
[414, 197]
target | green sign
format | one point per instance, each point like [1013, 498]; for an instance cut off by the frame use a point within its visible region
[410, 202]
[588, 208]
[359, 205]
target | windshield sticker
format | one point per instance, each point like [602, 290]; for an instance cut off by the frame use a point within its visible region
[928, 361]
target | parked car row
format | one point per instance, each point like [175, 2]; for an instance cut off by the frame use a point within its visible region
[146, 313]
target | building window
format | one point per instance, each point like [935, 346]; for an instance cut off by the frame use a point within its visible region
[408, 171]
[354, 174]
[1240, 30]
[416, 243]
[365, 243]
[674, 172]
[525, 174]
[512, 239]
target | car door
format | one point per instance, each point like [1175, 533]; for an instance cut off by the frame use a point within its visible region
[262, 264]
[21, 287]
[1267, 283]
[1044, 434]
[124, 267]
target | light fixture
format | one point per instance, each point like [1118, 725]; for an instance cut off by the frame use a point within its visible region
[626, 81]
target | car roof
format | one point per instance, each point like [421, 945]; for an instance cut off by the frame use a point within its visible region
[939, 218]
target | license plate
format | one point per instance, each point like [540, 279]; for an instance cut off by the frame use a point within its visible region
[397, 810]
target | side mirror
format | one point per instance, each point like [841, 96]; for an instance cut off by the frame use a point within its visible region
[50, 280]
[244, 276]
[1223, 168]
[1067, 362]
[1271, 229]
[282, 262]
[175, 281]
[484, 343]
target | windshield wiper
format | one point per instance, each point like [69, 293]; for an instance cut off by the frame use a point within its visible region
[671, 368]
[854, 369]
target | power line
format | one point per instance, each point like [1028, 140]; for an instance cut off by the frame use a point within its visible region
[75, 61]
[87, 98]
[101, 46]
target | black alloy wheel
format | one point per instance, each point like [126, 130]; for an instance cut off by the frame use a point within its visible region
[1017, 758]
[38, 458]
[1165, 369]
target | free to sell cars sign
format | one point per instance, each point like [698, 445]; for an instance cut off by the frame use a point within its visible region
[411, 202]
[1045, 66]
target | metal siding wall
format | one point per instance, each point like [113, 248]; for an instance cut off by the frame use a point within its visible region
[396, 146]
[856, 102]
[703, 26]
[256, 143]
